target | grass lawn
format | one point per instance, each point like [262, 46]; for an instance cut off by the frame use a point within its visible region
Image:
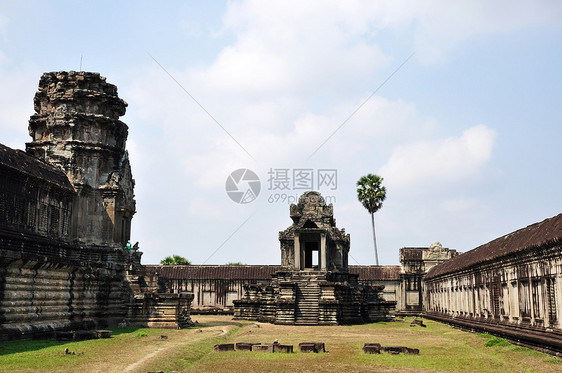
[141, 350]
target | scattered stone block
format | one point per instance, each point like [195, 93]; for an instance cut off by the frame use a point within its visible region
[411, 351]
[312, 347]
[224, 347]
[283, 348]
[104, 333]
[394, 350]
[245, 346]
[372, 348]
[262, 348]
[418, 322]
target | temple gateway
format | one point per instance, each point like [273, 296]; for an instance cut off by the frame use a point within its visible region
[314, 286]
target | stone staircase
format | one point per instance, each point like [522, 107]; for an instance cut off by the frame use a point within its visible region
[307, 297]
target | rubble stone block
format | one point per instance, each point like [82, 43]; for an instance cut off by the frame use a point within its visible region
[372, 348]
[312, 347]
[262, 348]
[224, 347]
[245, 346]
[283, 348]
[104, 333]
[400, 349]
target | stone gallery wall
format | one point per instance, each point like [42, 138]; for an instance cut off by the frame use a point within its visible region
[47, 285]
[215, 287]
[511, 286]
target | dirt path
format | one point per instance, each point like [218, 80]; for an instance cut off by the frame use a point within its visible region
[193, 338]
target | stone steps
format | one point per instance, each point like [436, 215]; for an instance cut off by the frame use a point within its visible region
[307, 297]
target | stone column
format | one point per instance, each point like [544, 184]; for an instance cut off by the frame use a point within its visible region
[297, 252]
[322, 251]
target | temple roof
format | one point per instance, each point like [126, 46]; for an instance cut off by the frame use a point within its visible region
[542, 234]
[21, 162]
[260, 272]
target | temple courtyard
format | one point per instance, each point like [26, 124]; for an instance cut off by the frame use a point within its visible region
[441, 348]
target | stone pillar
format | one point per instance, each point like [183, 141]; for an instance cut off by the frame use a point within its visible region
[322, 251]
[297, 252]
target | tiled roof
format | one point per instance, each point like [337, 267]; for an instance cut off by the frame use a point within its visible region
[22, 162]
[547, 232]
[260, 272]
[376, 273]
[214, 272]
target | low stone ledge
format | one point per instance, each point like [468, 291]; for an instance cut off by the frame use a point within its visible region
[372, 348]
[104, 333]
[288, 349]
[395, 350]
[245, 346]
[312, 347]
[262, 348]
[224, 347]
[79, 335]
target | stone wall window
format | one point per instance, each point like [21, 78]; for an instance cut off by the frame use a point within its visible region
[496, 300]
[514, 300]
[524, 299]
[551, 299]
[505, 300]
[209, 297]
[537, 299]
[230, 297]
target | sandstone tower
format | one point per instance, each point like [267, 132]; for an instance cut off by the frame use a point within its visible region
[76, 127]
[314, 285]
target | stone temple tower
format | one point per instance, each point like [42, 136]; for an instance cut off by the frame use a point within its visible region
[76, 127]
[314, 286]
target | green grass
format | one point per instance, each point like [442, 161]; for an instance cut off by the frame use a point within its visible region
[495, 341]
[191, 350]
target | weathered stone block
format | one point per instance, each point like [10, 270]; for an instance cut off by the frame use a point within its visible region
[104, 333]
[245, 346]
[400, 349]
[262, 348]
[224, 347]
[312, 347]
[282, 348]
[372, 348]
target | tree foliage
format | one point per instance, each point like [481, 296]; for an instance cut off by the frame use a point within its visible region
[175, 260]
[235, 264]
[371, 193]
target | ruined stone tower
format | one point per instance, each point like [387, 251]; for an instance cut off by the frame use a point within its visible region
[76, 127]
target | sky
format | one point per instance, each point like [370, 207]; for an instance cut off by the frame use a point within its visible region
[457, 105]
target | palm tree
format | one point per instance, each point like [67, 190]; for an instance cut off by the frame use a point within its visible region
[371, 194]
[175, 260]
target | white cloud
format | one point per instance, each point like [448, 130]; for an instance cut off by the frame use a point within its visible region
[294, 47]
[440, 161]
[441, 27]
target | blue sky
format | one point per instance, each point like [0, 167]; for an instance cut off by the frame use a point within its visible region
[466, 134]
